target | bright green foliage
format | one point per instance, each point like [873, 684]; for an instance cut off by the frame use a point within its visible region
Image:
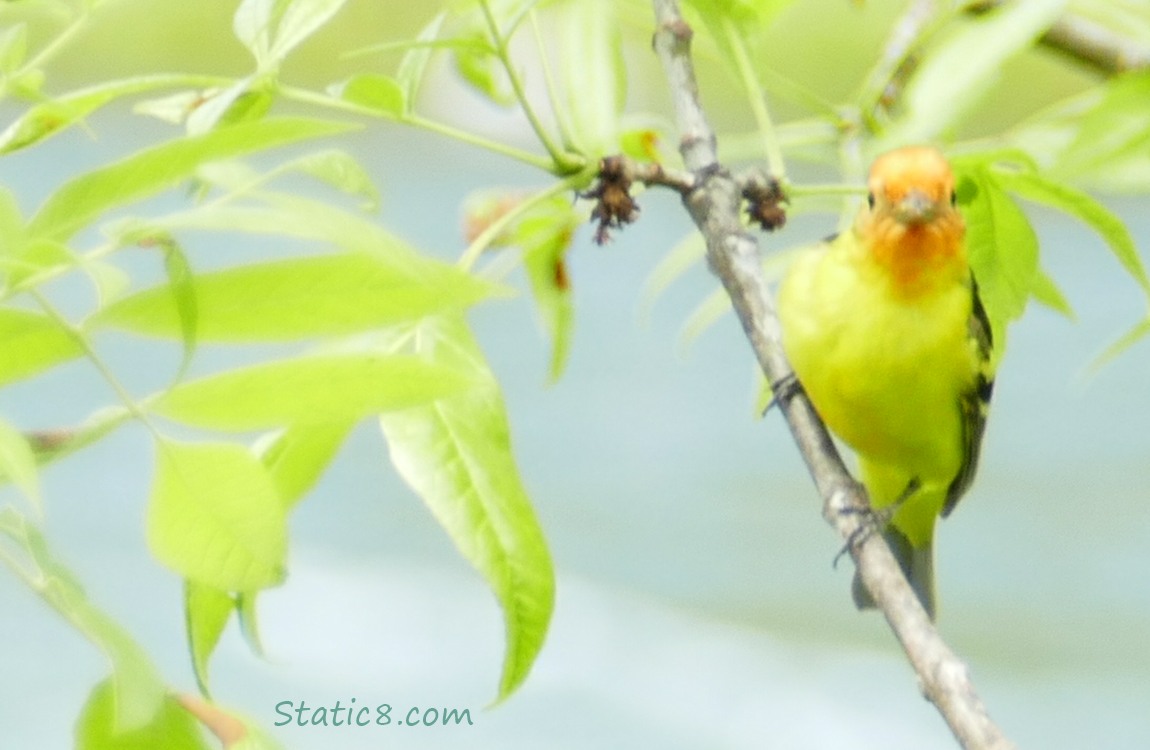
[214, 516]
[172, 728]
[379, 326]
[298, 298]
[316, 388]
[208, 610]
[456, 453]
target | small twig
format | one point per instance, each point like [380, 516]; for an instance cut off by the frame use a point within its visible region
[733, 256]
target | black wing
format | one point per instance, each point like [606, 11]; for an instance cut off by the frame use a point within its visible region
[975, 403]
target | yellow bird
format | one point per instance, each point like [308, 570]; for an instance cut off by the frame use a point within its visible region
[887, 335]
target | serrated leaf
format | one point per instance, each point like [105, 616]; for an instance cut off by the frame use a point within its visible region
[50, 117]
[138, 693]
[378, 93]
[299, 298]
[32, 343]
[456, 454]
[297, 456]
[963, 67]
[18, 463]
[214, 518]
[155, 169]
[206, 611]
[172, 728]
[308, 390]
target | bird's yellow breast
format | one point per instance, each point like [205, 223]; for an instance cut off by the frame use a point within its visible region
[884, 371]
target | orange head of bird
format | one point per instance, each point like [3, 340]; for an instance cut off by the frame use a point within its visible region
[911, 226]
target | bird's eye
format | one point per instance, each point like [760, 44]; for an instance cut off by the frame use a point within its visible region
[870, 200]
[953, 198]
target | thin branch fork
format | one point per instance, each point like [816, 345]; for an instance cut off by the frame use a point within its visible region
[714, 199]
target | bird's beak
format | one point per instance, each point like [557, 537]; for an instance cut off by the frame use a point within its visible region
[915, 208]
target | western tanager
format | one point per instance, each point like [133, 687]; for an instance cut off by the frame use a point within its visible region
[886, 334]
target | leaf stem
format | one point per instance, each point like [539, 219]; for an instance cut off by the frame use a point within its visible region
[563, 163]
[776, 165]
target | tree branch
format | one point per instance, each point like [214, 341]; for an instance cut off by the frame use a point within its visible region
[1089, 43]
[714, 201]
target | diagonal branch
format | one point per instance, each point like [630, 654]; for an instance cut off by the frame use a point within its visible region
[732, 253]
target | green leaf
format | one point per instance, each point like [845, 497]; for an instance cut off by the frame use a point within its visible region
[214, 517]
[952, 76]
[13, 47]
[301, 19]
[246, 100]
[298, 298]
[32, 343]
[378, 93]
[18, 463]
[413, 66]
[161, 167]
[1048, 293]
[181, 282]
[172, 728]
[249, 621]
[307, 390]
[593, 73]
[1140, 331]
[207, 611]
[50, 117]
[341, 171]
[137, 689]
[1086, 209]
[297, 456]
[273, 28]
[456, 454]
[545, 235]
[1003, 253]
[1112, 137]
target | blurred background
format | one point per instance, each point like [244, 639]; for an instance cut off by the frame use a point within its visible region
[696, 603]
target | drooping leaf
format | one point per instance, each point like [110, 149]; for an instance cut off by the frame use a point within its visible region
[456, 454]
[206, 611]
[171, 728]
[308, 390]
[298, 298]
[32, 343]
[138, 693]
[155, 169]
[214, 517]
[545, 236]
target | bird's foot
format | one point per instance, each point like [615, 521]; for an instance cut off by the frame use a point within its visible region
[783, 390]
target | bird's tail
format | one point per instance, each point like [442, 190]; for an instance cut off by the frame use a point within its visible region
[917, 564]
